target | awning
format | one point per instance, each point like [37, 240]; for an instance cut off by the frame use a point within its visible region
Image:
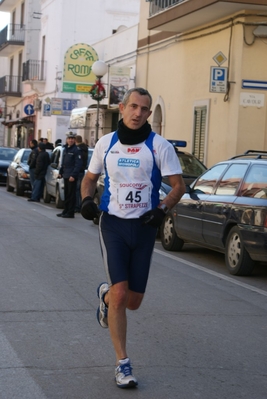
[78, 118]
[18, 121]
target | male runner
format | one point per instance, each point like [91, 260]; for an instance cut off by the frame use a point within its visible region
[134, 159]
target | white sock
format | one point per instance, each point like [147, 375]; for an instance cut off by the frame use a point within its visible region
[124, 361]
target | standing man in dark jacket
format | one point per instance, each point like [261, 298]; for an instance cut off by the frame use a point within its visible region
[32, 160]
[84, 153]
[42, 162]
[70, 169]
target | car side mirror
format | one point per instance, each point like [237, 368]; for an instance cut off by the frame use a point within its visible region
[53, 165]
[188, 189]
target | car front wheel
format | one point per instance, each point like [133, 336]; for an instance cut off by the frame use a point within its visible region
[169, 239]
[237, 259]
[19, 189]
[59, 201]
[46, 196]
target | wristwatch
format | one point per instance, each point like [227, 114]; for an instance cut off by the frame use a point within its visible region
[164, 208]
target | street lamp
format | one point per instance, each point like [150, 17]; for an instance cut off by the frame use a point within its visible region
[97, 91]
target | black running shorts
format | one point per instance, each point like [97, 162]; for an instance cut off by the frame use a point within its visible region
[127, 248]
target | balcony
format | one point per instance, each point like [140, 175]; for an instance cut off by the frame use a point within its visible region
[10, 86]
[12, 38]
[34, 70]
[157, 6]
[177, 16]
[7, 5]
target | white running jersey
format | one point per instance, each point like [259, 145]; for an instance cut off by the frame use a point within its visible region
[133, 173]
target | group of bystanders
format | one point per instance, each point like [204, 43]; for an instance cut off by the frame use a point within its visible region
[74, 163]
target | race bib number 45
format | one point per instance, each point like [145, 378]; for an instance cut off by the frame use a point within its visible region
[133, 195]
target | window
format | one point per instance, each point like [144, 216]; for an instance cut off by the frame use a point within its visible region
[208, 181]
[22, 8]
[255, 183]
[42, 77]
[199, 132]
[55, 157]
[13, 22]
[231, 179]
[19, 72]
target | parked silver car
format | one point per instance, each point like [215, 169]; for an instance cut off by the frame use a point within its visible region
[18, 177]
[54, 187]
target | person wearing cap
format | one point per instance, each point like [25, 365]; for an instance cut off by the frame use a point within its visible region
[84, 152]
[58, 142]
[70, 169]
[42, 162]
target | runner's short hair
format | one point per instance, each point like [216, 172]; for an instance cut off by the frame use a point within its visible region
[139, 90]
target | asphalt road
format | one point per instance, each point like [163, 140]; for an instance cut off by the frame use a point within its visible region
[200, 332]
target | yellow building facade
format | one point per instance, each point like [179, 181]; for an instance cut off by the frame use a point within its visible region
[204, 63]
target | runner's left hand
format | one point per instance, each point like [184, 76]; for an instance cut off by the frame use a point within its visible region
[154, 217]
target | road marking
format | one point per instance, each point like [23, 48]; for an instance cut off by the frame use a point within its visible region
[24, 385]
[203, 269]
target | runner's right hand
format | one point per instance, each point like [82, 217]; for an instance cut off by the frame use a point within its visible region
[89, 209]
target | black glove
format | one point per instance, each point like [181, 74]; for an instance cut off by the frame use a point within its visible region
[154, 217]
[89, 209]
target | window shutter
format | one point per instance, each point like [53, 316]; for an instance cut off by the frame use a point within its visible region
[199, 132]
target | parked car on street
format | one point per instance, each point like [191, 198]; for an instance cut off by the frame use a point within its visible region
[225, 209]
[6, 156]
[54, 187]
[18, 173]
[191, 167]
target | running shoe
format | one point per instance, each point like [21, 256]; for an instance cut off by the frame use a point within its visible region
[102, 311]
[123, 375]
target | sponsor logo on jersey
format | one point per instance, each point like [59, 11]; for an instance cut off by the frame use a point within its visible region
[133, 150]
[129, 163]
[138, 186]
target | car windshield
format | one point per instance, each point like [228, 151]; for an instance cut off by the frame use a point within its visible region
[7, 154]
[90, 153]
[190, 165]
[25, 156]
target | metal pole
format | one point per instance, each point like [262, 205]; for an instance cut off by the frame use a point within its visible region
[97, 122]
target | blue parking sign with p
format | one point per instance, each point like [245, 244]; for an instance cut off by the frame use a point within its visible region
[218, 79]
[218, 74]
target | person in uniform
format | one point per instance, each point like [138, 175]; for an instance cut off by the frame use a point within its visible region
[70, 169]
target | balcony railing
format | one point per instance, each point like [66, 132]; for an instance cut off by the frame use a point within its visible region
[157, 6]
[12, 34]
[34, 70]
[10, 86]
